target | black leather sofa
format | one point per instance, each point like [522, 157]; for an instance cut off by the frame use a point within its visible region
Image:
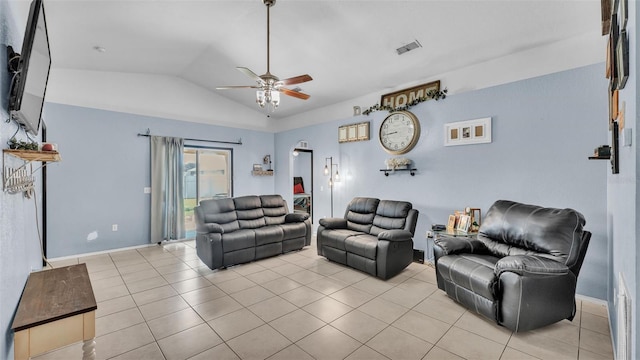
[522, 269]
[375, 236]
[238, 230]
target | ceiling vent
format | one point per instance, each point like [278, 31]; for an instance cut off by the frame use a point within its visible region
[410, 46]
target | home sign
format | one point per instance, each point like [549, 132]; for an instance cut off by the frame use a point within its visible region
[406, 96]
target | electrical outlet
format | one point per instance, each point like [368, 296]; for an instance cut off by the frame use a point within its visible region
[114, 227]
[147, 190]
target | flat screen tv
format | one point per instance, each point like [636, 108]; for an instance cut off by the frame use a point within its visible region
[30, 82]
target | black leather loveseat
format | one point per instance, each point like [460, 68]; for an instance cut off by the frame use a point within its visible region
[238, 230]
[375, 236]
[522, 269]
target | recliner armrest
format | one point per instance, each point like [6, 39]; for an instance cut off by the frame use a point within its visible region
[530, 265]
[295, 217]
[459, 245]
[395, 235]
[210, 228]
[334, 223]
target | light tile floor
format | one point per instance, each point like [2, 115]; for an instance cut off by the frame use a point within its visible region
[161, 302]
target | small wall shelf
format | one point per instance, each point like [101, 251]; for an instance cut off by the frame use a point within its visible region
[33, 155]
[262, 173]
[599, 157]
[387, 171]
[21, 179]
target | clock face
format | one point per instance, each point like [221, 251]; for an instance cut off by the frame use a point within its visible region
[399, 132]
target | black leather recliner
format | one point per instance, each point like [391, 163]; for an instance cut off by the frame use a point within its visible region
[375, 236]
[522, 269]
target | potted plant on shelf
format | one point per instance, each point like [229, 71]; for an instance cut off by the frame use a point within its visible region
[398, 163]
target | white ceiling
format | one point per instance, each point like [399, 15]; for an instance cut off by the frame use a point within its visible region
[348, 47]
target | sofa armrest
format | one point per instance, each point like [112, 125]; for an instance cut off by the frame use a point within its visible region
[295, 217]
[459, 245]
[395, 235]
[530, 265]
[210, 228]
[333, 223]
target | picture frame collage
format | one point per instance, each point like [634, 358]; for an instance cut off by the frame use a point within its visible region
[467, 220]
[617, 68]
[476, 131]
[354, 132]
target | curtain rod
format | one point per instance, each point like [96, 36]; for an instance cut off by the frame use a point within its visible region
[239, 142]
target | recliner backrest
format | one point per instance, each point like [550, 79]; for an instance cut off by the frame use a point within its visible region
[219, 211]
[390, 215]
[360, 213]
[249, 211]
[512, 228]
[274, 208]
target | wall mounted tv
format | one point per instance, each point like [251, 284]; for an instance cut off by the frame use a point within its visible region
[29, 82]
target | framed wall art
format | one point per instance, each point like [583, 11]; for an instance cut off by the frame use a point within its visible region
[354, 132]
[468, 132]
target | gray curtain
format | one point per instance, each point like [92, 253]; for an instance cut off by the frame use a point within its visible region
[167, 183]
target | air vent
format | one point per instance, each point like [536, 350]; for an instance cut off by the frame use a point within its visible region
[410, 46]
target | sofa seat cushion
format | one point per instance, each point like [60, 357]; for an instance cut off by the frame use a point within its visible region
[470, 271]
[294, 230]
[268, 235]
[363, 245]
[237, 240]
[335, 238]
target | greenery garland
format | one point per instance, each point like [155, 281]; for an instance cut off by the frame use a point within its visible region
[431, 94]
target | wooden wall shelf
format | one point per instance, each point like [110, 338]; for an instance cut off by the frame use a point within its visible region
[33, 155]
[262, 173]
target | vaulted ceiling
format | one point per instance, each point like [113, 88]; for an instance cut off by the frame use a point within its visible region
[348, 47]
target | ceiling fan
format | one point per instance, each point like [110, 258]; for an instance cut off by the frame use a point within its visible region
[270, 86]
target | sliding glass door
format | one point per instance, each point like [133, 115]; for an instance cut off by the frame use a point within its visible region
[208, 174]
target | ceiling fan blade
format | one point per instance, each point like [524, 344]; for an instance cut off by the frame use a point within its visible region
[238, 87]
[250, 74]
[296, 80]
[295, 94]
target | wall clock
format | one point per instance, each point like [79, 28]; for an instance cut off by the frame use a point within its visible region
[399, 132]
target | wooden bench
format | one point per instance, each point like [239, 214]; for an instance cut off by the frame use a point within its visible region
[57, 308]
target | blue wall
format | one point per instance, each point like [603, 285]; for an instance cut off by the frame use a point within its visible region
[543, 131]
[623, 197]
[19, 244]
[105, 168]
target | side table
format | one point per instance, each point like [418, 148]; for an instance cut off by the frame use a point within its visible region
[57, 308]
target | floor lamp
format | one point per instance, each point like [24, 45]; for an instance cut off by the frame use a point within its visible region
[328, 170]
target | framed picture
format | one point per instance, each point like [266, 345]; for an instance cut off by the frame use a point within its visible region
[622, 60]
[352, 133]
[464, 223]
[452, 222]
[342, 134]
[475, 131]
[363, 131]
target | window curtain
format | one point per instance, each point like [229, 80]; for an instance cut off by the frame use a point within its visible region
[167, 184]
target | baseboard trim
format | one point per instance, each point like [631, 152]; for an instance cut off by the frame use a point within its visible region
[102, 252]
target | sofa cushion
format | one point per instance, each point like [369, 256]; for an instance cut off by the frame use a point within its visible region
[274, 208]
[268, 235]
[360, 213]
[249, 212]
[363, 245]
[336, 238]
[556, 232]
[219, 211]
[294, 230]
[390, 215]
[240, 239]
